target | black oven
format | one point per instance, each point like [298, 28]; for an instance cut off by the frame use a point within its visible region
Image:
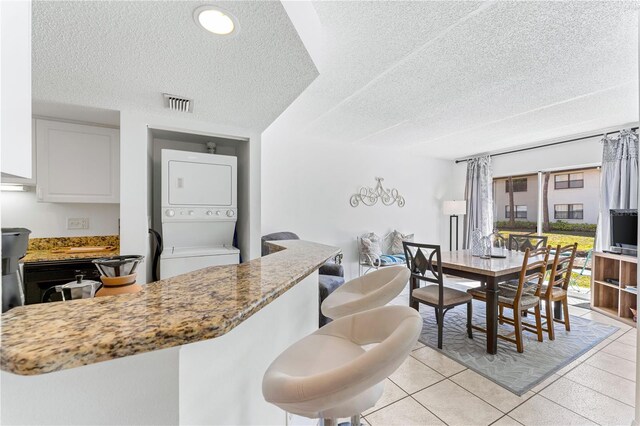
[39, 276]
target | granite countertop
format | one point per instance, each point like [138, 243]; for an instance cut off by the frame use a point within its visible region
[49, 249]
[200, 305]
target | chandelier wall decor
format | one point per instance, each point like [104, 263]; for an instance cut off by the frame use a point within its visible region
[370, 196]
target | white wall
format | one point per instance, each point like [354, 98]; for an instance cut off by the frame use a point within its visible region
[306, 189]
[569, 155]
[135, 163]
[587, 152]
[20, 209]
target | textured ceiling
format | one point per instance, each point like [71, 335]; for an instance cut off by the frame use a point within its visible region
[123, 55]
[451, 79]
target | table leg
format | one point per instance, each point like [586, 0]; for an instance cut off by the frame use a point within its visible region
[492, 315]
[557, 310]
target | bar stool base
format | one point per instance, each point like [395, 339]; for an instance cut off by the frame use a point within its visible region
[355, 421]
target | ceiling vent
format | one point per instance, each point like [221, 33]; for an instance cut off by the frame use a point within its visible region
[176, 103]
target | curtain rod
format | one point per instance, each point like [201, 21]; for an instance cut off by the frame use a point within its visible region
[549, 144]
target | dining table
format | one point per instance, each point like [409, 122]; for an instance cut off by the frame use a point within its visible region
[490, 272]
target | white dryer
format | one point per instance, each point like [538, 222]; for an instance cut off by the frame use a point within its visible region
[199, 211]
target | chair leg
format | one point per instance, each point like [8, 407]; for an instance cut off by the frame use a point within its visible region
[565, 313]
[440, 319]
[355, 420]
[548, 308]
[413, 302]
[500, 315]
[469, 318]
[538, 316]
[517, 322]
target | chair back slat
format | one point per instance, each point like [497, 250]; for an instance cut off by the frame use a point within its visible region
[562, 267]
[532, 270]
[424, 267]
[520, 242]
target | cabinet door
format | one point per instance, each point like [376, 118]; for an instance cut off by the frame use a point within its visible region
[15, 85]
[23, 180]
[77, 163]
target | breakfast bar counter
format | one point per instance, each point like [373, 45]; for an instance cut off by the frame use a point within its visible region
[192, 332]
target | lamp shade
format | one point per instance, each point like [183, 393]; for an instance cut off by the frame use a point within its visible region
[454, 207]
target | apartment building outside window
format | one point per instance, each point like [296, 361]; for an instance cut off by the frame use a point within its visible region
[568, 211]
[519, 185]
[560, 204]
[521, 212]
[569, 180]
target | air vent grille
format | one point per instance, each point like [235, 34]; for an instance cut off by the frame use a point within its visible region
[177, 103]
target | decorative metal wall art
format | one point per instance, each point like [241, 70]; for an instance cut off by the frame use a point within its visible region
[370, 196]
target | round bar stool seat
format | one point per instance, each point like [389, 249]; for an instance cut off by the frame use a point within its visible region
[369, 291]
[329, 374]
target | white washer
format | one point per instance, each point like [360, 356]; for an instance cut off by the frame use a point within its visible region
[186, 259]
[199, 211]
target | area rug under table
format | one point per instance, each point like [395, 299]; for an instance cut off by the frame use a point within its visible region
[511, 370]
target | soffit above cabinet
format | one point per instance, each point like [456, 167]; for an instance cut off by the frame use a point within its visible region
[124, 55]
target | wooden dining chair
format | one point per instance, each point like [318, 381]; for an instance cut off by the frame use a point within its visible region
[423, 260]
[555, 290]
[521, 242]
[518, 300]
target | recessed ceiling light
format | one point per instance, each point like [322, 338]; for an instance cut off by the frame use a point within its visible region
[216, 20]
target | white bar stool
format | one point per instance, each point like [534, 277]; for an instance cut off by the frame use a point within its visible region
[329, 375]
[366, 292]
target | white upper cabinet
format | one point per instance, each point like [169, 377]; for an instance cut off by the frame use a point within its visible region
[77, 163]
[15, 86]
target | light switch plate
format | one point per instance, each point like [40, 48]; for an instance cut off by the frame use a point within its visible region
[77, 223]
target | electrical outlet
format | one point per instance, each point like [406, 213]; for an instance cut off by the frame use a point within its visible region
[77, 223]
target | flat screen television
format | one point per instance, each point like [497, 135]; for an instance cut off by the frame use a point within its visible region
[624, 229]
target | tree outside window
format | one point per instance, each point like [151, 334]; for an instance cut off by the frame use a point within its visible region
[519, 185]
[521, 212]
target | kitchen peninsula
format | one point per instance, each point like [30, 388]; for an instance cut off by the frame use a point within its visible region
[187, 350]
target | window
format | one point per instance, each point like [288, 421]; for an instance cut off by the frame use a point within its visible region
[521, 212]
[568, 211]
[519, 185]
[569, 180]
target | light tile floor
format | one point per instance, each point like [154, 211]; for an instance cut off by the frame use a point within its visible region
[431, 389]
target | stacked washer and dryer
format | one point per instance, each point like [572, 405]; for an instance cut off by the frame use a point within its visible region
[199, 211]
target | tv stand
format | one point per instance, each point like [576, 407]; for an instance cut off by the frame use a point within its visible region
[615, 301]
[622, 251]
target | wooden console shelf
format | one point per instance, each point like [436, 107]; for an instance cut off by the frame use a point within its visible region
[610, 299]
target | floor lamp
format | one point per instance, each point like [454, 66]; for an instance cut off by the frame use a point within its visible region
[454, 209]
